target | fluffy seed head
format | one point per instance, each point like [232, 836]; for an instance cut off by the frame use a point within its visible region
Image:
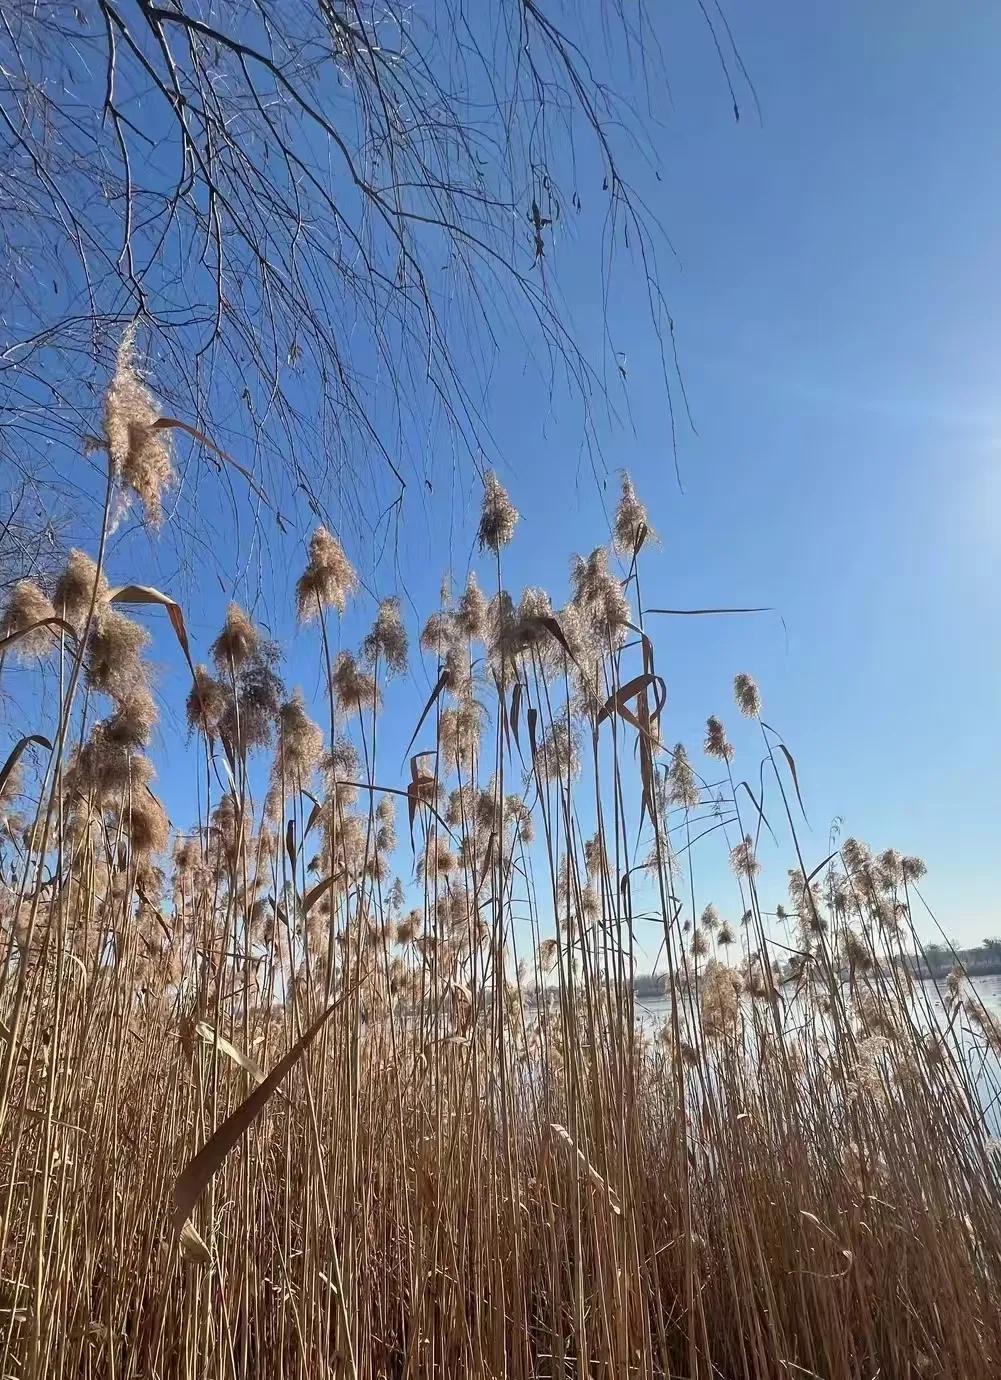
[503, 632]
[535, 603]
[138, 450]
[75, 588]
[409, 927]
[747, 695]
[558, 755]
[716, 744]
[385, 835]
[856, 857]
[26, 606]
[709, 919]
[10, 820]
[532, 637]
[720, 991]
[146, 824]
[889, 869]
[459, 735]
[354, 689]
[386, 644]
[548, 952]
[340, 765]
[238, 641]
[132, 722]
[600, 599]
[438, 859]
[682, 788]
[631, 523]
[472, 613]
[590, 902]
[461, 808]
[114, 656]
[102, 771]
[742, 858]
[498, 515]
[439, 634]
[300, 743]
[342, 760]
[912, 868]
[855, 950]
[805, 898]
[250, 717]
[208, 701]
[519, 816]
[329, 578]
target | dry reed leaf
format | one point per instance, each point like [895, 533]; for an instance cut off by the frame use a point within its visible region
[821, 1226]
[78, 963]
[12, 639]
[821, 865]
[210, 1036]
[13, 757]
[701, 613]
[193, 1246]
[754, 802]
[35, 1115]
[417, 790]
[795, 778]
[315, 893]
[427, 708]
[516, 695]
[193, 1179]
[597, 1180]
[631, 690]
[145, 594]
[175, 424]
[812, 1217]
[502, 710]
[314, 814]
[553, 628]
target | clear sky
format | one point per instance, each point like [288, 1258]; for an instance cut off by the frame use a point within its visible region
[836, 297]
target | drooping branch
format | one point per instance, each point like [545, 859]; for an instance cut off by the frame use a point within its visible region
[327, 216]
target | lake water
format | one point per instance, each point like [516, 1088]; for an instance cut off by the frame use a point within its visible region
[982, 1063]
[988, 989]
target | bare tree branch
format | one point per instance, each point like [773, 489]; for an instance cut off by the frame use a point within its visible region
[326, 214]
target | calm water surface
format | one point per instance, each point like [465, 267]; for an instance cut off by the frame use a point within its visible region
[988, 989]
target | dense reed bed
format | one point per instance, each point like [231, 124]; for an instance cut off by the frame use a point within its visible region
[266, 1109]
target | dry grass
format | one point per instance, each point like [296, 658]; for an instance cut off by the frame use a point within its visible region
[485, 1162]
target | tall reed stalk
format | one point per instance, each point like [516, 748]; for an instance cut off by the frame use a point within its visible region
[485, 1158]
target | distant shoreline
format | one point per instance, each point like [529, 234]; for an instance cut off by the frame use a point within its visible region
[979, 962]
[934, 963]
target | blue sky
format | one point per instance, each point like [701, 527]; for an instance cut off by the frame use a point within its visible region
[836, 299]
[835, 294]
[836, 303]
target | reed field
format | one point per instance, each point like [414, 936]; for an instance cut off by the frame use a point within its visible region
[346, 1075]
